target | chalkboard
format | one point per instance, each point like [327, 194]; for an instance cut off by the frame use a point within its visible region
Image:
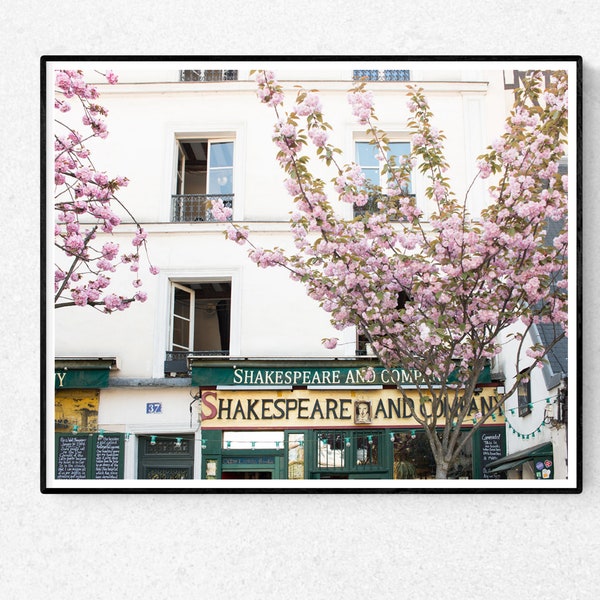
[71, 460]
[108, 454]
[492, 448]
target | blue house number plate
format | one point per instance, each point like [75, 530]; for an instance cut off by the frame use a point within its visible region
[153, 408]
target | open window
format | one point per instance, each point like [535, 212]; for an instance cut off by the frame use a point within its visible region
[200, 322]
[204, 174]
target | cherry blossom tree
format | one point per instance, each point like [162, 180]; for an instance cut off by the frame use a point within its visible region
[84, 199]
[431, 293]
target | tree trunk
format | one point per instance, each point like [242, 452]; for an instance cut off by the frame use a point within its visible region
[441, 469]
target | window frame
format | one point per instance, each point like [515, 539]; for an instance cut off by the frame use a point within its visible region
[172, 362]
[178, 183]
[394, 138]
[524, 397]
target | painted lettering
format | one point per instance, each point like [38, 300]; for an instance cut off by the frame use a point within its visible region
[266, 409]
[237, 376]
[485, 407]
[473, 407]
[277, 406]
[222, 409]
[394, 406]
[331, 408]
[238, 409]
[302, 407]
[345, 406]
[205, 402]
[380, 409]
[61, 378]
[251, 411]
[290, 404]
[316, 407]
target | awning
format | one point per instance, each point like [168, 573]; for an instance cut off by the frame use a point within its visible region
[82, 373]
[512, 461]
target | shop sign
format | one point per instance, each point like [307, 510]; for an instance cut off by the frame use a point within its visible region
[80, 378]
[308, 376]
[310, 408]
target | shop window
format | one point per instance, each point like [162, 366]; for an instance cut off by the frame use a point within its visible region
[331, 450]
[367, 449]
[204, 174]
[381, 75]
[373, 169]
[348, 449]
[200, 322]
[208, 75]
[413, 458]
[295, 456]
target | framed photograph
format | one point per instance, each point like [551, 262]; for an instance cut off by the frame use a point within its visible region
[266, 272]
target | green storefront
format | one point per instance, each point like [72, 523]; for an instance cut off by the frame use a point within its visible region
[81, 450]
[324, 420]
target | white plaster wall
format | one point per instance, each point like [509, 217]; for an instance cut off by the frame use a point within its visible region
[123, 409]
[528, 424]
[271, 316]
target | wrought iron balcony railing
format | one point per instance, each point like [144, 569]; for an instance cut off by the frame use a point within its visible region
[186, 208]
[371, 205]
[208, 75]
[385, 75]
[176, 360]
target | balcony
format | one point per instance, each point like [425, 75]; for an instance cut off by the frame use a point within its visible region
[385, 75]
[189, 208]
[176, 364]
[208, 75]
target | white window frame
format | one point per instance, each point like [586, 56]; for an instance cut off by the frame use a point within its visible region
[392, 140]
[209, 140]
[192, 299]
[217, 132]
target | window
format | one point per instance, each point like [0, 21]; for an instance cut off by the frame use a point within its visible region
[295, 455]
[363, 344]
[524, 397]
[208, 75]
[200, 322]
[353, 450]
[385, 75]
[413, 458]
[204, 174]
[366, 157]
